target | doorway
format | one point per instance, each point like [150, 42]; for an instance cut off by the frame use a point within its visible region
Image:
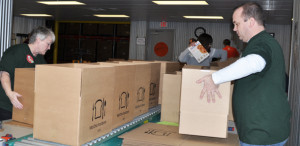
[160, 46]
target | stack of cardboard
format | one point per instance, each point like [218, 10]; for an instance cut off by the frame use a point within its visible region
[151, 134]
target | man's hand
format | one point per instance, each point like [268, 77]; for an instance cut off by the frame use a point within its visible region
[13, 97]
[210, 88]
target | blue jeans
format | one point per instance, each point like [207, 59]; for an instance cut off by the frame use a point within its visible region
[276, 144]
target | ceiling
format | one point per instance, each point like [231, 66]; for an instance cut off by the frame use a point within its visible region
[277, 11]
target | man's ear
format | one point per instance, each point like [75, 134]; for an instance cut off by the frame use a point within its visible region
[252, 21]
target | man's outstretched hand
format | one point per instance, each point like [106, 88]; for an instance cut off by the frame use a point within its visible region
[210, 88]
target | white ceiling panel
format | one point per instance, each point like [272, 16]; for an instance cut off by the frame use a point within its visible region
[277, 11]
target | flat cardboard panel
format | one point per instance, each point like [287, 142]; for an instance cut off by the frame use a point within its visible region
[123, 107]
[171, 92]
[73, 102]
[155, 133]
[24, 85]
[203, 124]
[151, 134]
[231, 140]
[199, 113]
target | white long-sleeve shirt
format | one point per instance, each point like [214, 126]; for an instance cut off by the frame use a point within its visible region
[243, 67]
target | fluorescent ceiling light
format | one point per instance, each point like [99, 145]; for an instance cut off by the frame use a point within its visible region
[204, 17]
[61, 2]
[100, 15]
[181, 2]
[37, 15]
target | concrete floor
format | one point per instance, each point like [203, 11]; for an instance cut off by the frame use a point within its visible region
[17, 130]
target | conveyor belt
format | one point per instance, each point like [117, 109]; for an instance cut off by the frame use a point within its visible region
[29, 141]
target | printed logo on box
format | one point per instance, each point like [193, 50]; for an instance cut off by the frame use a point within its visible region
[123, 100]
[141, 94]
[158, 132]
[99, 109]
[152, 88]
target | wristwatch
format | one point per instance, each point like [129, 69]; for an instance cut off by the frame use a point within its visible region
[199, 30]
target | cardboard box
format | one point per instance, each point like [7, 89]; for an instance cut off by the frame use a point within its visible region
[24, 85]
[164, 135]
[223, 64]
[73, 102]
[123, 108]
[154, 82]
[166, 67]
[198, 116]
[171, 97]
[141, 88]
[230, 115]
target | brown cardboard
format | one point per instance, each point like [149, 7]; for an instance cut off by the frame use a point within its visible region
[223, 64]
[141, 87]
[73, 102]
[151, 134]
[197, 116]
[24, 85]
[231, 140]
[123, 108]
[154, 82]
[171, 97]
[155, 133]
[230, 115]
[166, 67]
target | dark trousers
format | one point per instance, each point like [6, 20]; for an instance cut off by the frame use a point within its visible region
[5, 115]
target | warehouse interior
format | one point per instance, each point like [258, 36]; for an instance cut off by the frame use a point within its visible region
[81, 37]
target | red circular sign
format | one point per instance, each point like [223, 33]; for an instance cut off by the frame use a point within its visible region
[161, 49]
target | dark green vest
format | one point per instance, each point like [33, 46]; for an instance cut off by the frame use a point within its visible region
[261, 109]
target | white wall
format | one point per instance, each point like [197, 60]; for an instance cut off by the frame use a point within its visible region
[219, 32]
[25, 25]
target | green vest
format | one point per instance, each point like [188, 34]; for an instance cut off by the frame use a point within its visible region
[261, 109]
[18, 56]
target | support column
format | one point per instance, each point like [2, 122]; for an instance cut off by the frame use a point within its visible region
[6, 10]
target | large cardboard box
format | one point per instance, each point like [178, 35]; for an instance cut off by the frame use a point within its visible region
[141, 87]
[199, 116]
[166, 67]
[223, 64]
[24, 85]
[73, 102]
[154, 82]
[171, 97]
[123, 108]
[230, 115]
[164, 135]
